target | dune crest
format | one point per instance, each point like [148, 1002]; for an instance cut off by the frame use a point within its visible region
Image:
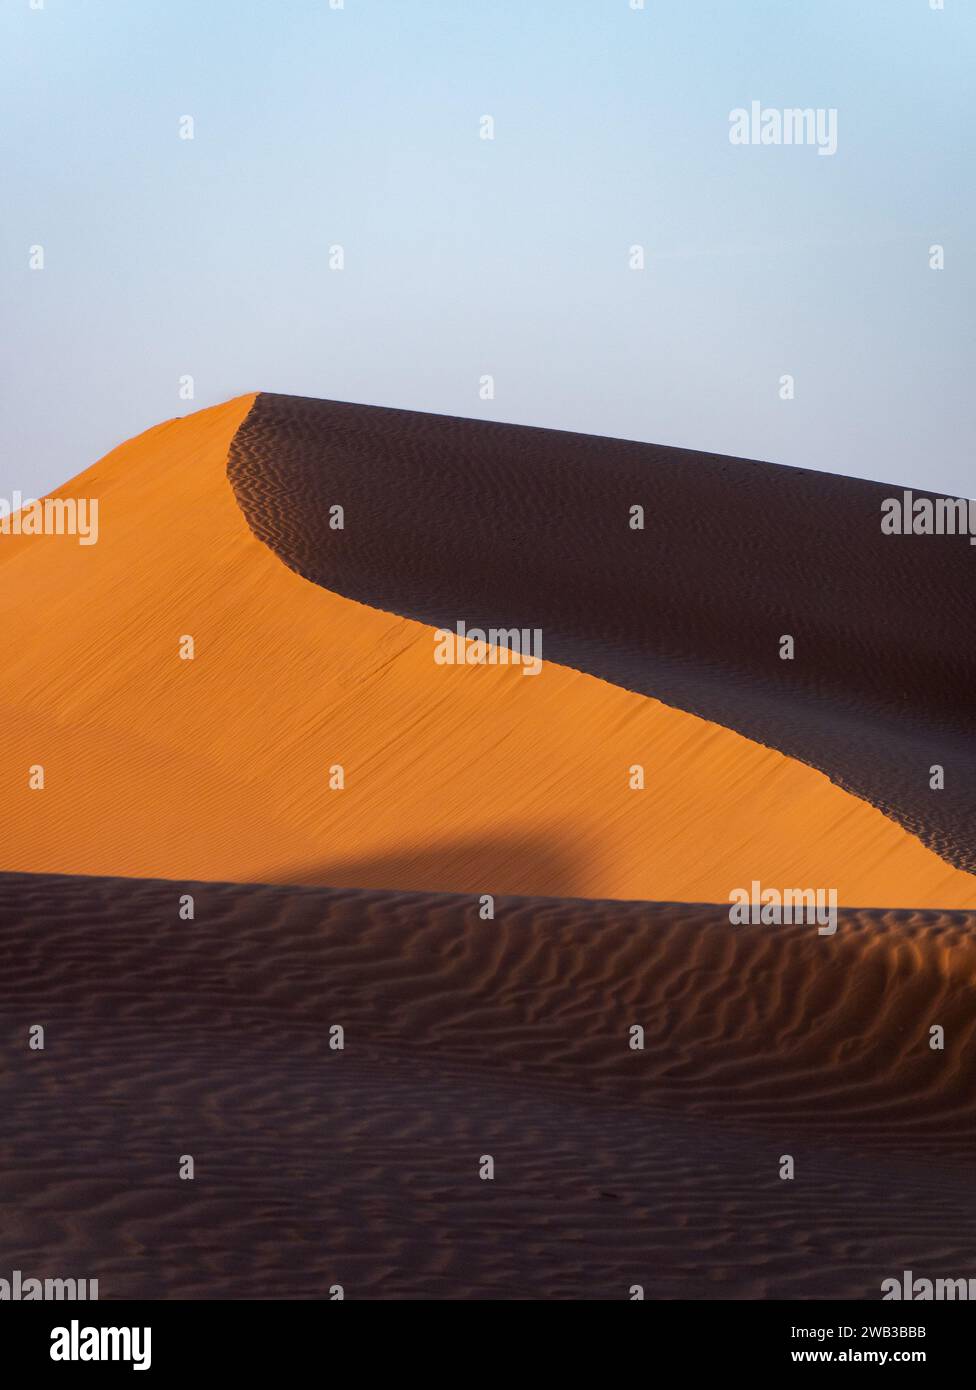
[498, 523]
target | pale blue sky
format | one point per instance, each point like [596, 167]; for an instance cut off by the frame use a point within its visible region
[360, 126]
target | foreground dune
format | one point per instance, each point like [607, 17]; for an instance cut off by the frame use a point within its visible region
[474, 779]
[613, 1166]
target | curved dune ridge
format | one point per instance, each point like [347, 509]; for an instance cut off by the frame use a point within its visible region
[462, 778]
[613, 1165]
[507, 525]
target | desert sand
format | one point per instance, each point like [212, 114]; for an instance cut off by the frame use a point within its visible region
[613, 1167]
[360, 907]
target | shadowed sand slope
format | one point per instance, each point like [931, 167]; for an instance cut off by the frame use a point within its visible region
[502, 525]
[475, 779]
[613, 1166]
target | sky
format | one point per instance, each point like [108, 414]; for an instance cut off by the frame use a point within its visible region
[317, 126]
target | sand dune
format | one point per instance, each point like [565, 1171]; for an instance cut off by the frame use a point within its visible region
[475, 779]
[359, 1167]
